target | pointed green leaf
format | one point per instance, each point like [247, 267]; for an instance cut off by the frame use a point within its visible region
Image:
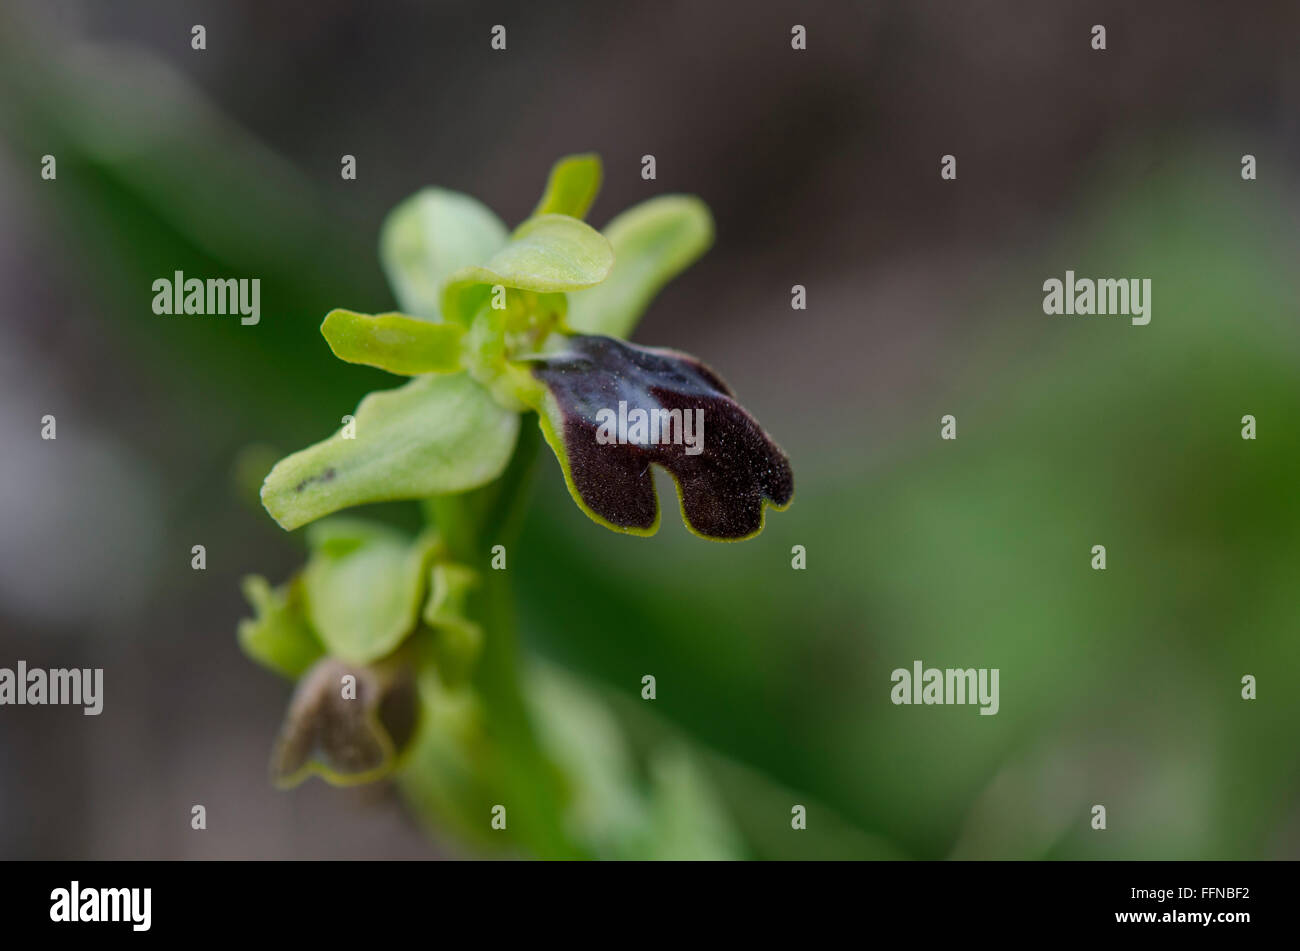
[394, 342]
[547, 254]
[430, 235]
[280, 637]
[574, 183]
[434, 435]
[653, 242]
[364, 584]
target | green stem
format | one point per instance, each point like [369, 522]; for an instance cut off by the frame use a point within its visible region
[471, 525]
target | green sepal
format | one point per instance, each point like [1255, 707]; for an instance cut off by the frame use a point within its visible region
[279, 637]
[434, 435]
[547, 254]
[430, 235]
[653, 242]
[364, 584]
[404, 345]
[573, 184]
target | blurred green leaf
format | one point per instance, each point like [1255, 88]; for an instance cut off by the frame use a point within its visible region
[688, 821]
[653, 242]
[279, 637]
[573, 185]
[607, 808]
[132, 133]
[430, 235]
[436, 434]
[364, 583]
[679, 816]
[393, 342]
[549, 253]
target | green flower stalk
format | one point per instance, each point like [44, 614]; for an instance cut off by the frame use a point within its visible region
[404, 648]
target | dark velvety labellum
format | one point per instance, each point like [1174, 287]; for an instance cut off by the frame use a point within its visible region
[723, 482]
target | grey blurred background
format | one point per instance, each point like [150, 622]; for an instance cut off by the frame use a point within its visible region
[924, 298]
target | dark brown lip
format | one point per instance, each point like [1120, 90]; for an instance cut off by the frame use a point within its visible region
[723, 489]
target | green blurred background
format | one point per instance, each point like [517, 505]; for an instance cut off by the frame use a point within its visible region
[1119, 687]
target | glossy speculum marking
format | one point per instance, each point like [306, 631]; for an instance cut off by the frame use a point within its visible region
[723, 488]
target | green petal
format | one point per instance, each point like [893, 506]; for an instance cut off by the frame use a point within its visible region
[280, 637]
[434, 435]
[394, 342]
[430, 235]
[653, 242]
[548, 254]
[364, 584]
[574, 183]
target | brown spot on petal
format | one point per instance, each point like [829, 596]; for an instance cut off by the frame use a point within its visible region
[326, 476]
[723, 487]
